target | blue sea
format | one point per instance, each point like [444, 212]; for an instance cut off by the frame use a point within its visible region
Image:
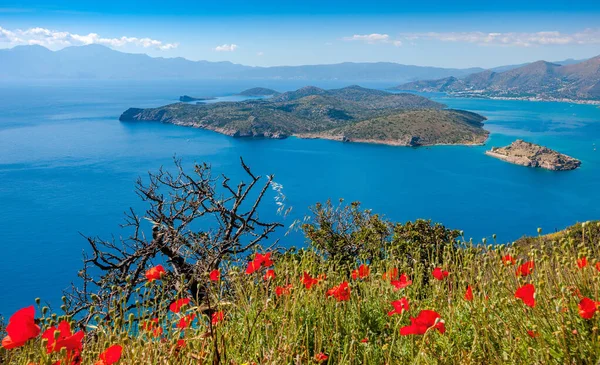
[68, 166]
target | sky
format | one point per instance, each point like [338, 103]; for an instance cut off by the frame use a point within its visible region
[457, 34]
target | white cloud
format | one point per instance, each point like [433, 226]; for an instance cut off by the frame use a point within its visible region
[57, 39]
[587, 36]
[260, 54]
[226, 48]
[373, 38]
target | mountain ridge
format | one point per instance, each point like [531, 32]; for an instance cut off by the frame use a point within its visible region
[539, 80]
[100, 62]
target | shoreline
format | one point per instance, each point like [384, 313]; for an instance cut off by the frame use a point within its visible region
[525, 98]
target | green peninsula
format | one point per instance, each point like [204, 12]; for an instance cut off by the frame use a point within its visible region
[352, 114]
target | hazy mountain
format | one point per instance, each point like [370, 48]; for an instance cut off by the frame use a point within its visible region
[541, 79]
[568, 61]
[99, 62]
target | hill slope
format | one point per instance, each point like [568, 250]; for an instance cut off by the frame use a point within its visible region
[538, 80]
[349, 114]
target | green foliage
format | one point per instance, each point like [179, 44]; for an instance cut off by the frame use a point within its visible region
[422, 241]
[345, 233]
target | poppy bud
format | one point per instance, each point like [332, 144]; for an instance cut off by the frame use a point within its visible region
[539, 230]
[37, 301]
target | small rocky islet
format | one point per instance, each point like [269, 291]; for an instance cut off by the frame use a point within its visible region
[350, 114]
[532, 155]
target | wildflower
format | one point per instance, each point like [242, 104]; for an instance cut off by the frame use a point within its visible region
[525, 269]
[598, 265]
[176, 306]
[320, 357]
[527, 294]
[155, 273]
[110, 356]
[439, 274]
[217, 317]
[21, 328]
[362, 272]
[424, 321]
[532, 333]
[309, 281]
[283, 290]
[65, 339]
[508, 260]
[402, 283]
[152, 326]
[399, 306]
[180, 343]
[270, 274]
[469, 293]
[582, 262]
[364, 340]
[258, 262]
[215, 275]
[390, 275]
[587, 308]
[185, 321]
[340, 292]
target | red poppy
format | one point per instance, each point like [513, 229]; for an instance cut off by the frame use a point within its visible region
[399, 306]
[270, 274]
[527, 294]
[110, 356]
[181, 343]
[259, 260]
[217, 317]
[65, 339]
[532, 333]
[469, 293]
[21, 328]
[185, 321]
[402, 283]
[176, 306]
[215, 275]
[283, 290]
[508, 260]
[582, 262]
[320, 357]
[362, 272]
[152, 326]
[598, 266]
[439, 274]
[364, 340]
[340, 292]
[390, 275]
[525, 269]
[155, 273]
[587, 308]
[424, 321]
[266, 259]
[309, 281]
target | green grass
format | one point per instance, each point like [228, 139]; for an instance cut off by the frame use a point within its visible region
[261, 328]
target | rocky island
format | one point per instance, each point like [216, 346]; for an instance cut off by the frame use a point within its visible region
[528, 154]
[259, 91]
[187, 98]
[352, 114]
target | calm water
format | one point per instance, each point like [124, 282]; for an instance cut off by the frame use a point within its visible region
[67, 166]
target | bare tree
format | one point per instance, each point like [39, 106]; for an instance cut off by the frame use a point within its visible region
[195, 224]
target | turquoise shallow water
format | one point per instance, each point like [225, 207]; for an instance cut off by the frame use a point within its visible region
[67, 165]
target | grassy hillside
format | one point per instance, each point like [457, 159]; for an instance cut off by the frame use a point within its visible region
[294, 313]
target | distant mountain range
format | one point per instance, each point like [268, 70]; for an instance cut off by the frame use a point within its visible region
[99, 62]
[577, 81]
